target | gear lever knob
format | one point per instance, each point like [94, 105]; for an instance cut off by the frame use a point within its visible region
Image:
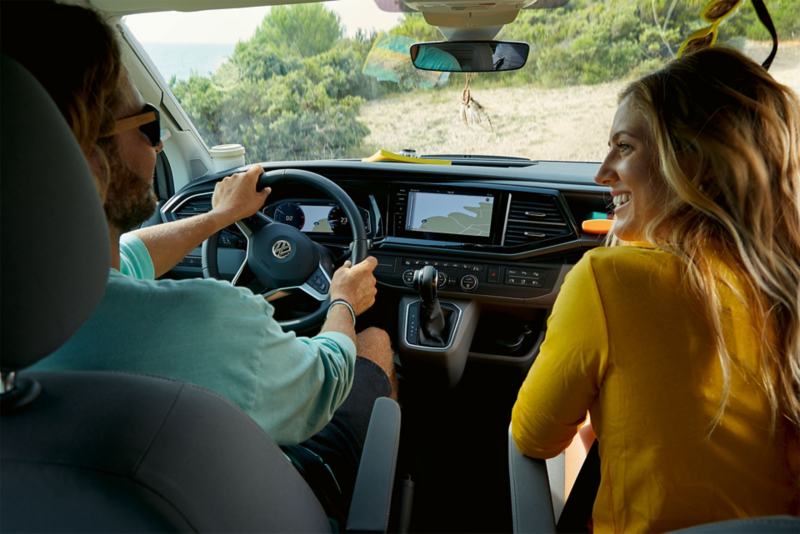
[425, 283]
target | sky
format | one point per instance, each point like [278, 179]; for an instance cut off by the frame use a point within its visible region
[232, 26]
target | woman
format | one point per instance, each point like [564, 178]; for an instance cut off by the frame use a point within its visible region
[685, 345]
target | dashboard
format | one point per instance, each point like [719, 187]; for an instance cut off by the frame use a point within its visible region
[504, 233]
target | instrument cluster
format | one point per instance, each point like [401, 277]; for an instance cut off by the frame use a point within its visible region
[315, 217]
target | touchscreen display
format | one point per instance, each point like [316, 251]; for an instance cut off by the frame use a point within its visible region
[440, 213]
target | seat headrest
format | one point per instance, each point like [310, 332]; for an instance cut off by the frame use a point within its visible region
[55, 254]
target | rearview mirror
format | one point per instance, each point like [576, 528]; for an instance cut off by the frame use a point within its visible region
[469, 56]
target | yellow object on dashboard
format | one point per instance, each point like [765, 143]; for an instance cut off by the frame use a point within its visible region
[385, 155]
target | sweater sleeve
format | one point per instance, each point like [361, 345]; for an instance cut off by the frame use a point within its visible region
[565, 378]
[134, 259]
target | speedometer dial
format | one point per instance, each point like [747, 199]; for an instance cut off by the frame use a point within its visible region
[339, 222]
[291, 214]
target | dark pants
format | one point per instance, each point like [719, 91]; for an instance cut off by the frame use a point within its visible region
[329, 460]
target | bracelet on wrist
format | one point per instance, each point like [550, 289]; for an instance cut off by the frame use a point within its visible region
[343, 303]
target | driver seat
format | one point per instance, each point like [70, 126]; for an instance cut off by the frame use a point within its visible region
[110, 451]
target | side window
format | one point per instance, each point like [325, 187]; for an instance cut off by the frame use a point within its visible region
[162, 178]
[163, 187]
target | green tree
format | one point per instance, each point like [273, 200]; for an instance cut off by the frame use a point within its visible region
[282, 105]
[299, 30]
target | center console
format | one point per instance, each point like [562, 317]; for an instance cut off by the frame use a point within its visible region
[458, 248]
[444, 329]
[466, 233]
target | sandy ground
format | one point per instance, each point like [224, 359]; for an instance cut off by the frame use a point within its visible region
[558, 124]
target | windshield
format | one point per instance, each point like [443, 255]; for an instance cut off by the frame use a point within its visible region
[334, 79]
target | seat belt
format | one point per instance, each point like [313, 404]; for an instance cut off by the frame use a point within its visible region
[577, 510]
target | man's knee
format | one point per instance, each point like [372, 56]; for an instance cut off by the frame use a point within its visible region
[374, 344]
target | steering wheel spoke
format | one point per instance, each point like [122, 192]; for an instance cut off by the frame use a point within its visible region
[244, 276]
[318, 286]
[251, 225]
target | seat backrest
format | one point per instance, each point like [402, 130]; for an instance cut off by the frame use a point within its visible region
[101, 451]
[112, 452]
[482, 60]
[54, 234]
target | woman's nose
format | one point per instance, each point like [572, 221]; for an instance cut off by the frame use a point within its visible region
[606, 174]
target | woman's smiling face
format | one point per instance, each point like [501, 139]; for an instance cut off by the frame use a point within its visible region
[631, 169]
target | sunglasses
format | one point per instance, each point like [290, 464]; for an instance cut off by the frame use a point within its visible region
[148, 122]
[714, 13]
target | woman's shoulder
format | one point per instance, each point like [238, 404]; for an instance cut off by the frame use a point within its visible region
[629, 252]
[629, 263]
[632, 252]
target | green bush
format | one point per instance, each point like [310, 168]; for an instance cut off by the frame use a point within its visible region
[288, 93]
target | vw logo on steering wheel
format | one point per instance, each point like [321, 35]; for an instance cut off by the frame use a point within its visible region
[281, 249]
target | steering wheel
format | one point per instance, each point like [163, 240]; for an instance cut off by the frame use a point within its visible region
[282, 258]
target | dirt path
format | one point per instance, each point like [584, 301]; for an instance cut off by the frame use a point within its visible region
[558, 124]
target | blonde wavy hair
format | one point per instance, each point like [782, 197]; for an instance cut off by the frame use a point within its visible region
[82, 74]
[728, 142]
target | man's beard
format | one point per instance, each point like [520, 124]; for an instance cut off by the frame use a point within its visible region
[130, 200]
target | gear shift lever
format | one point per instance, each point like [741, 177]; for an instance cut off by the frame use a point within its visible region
[425, 283]
[432, 331]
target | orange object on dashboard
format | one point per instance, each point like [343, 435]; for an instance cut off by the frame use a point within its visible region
[597, 226]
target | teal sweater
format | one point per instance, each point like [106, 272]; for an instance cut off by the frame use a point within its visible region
[217, 336]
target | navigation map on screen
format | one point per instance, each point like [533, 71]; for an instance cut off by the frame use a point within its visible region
[450, 214]
[317, 219]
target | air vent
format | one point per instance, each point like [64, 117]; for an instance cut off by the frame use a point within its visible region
[534, 219]
[193, 206]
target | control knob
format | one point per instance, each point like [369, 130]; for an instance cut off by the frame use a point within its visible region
[469, 282]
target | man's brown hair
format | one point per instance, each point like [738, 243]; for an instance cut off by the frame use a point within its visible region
[81, 72]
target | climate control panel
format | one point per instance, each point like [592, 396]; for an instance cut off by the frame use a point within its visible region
[476, 278]
[468, 282]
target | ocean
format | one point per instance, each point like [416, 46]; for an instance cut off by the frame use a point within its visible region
[180, 59]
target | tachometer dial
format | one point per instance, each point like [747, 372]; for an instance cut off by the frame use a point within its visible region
[291, 214]
[339, 222]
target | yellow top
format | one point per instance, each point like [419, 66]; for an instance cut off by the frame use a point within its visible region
[627, 342]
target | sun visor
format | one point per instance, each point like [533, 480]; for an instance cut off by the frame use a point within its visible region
[469, 19]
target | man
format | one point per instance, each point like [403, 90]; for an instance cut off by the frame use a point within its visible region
[203, 331]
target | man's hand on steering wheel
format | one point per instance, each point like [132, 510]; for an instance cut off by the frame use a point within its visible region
[356, 285]
[235, 197]
[281, 258]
